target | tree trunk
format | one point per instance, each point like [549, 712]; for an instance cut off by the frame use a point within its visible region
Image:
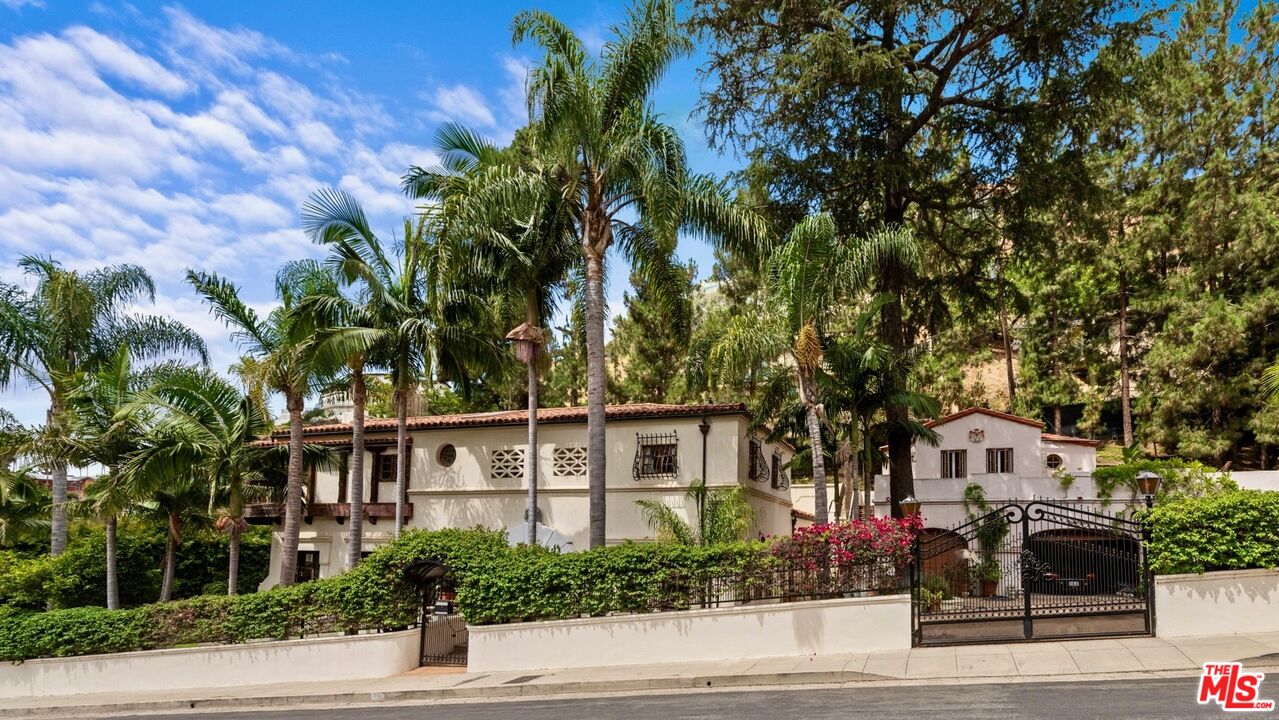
[113, 578]
[401, 455]
[233, 562]
[853, 484]
[530, 457]
[868, 472]
[293, 493]
[1125, 393]
[170, 558]
[901, 473]
[359, 397]
[595, 385]
[1008, 352]
[58, 524]
[817, 450]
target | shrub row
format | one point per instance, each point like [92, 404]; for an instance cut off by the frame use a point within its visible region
[531, 584]
[1234, 530]
[373, 596]
[77, 577]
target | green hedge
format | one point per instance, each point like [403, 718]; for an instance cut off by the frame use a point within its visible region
[532, 584]
[1232, 530]
[77, 578]
[373, 596]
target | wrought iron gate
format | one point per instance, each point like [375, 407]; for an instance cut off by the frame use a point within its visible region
[1032, 571]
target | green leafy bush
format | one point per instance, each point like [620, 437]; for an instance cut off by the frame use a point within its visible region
[534, 584]
[1231, 530]
[77, 578]
[373, 596]
[1178, 478]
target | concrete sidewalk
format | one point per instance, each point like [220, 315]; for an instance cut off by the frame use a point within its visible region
[1019, 662]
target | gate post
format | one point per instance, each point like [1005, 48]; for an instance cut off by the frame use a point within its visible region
[1028, 624]
[1146, 577]
[916, 574]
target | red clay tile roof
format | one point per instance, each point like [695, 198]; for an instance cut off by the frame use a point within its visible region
[984, 411]
[638, 411]
[1053, 437]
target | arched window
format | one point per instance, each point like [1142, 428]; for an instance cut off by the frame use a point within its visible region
[1053, 461]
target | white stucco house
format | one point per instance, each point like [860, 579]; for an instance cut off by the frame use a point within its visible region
[467, 470]
[1009, 456]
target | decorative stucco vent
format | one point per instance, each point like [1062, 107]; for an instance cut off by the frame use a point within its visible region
[570, 462]
[507, 464]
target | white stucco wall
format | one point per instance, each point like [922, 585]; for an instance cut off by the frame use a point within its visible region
[467, 495]
[1231, 602]
[324, 659]
[819, 627]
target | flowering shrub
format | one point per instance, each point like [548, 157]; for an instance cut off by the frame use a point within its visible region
[879, 540]
[849, 556]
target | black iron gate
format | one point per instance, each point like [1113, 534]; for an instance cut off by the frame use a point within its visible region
[1032, 571]
[442, 636]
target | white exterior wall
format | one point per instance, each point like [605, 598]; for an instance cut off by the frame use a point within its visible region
[821, 627]
[943, 498]
[1230, 602]
[466, 494]
[335, 659]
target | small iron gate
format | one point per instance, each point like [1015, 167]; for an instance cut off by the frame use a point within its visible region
[444, 640]
[1032, 571]
[442, 636]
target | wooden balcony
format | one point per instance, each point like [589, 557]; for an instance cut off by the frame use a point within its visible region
[269, 513]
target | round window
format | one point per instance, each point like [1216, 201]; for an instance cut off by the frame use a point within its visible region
[1054, 461]
[446, 455]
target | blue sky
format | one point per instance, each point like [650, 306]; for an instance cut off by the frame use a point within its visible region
[176, 136]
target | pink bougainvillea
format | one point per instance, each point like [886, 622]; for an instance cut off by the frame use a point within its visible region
[880, 541]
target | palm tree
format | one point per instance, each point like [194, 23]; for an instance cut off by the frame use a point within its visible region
[180, 500]
[277, 363]
[523, 246]
[335, 329]
[864, 377]
[807, 275]
[71, 323]
[415, 317]
[723, 516]
[207, 428]
[622, 173]
[24, 504]
[107, 425]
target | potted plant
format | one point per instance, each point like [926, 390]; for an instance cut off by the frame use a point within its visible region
[989, 574]
[930, 600]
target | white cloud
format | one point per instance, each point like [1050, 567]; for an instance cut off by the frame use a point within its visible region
[123, 62]
[194, 148]
[460, 103]
[19, 4]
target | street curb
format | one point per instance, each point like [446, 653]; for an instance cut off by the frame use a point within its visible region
[533, 689]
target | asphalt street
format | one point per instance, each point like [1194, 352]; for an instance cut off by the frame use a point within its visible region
[1160, 698]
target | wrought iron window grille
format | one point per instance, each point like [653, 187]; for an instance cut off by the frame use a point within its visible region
[656, 456]
[757, 469]
[780, 478]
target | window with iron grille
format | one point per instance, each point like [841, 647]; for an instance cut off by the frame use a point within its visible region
[569, 462]
[656, 456]
[780, 478]
[999, 460]
[507, 464]
[954, 464]
[757, 466]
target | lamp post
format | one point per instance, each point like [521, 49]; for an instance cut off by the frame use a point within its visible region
[909, 506]
[528, 340]
[1148, 486]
